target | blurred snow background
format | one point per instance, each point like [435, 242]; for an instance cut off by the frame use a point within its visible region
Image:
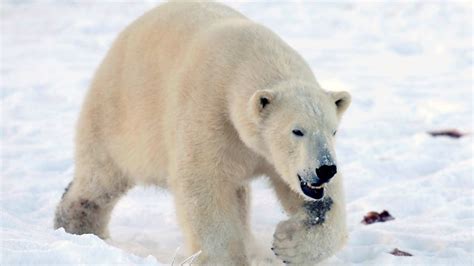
[408, 66]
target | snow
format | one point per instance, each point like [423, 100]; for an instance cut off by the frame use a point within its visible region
[408, 66]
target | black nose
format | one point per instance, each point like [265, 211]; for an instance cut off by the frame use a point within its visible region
[326, 172]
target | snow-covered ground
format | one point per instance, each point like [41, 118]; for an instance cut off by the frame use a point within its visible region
[408, 66]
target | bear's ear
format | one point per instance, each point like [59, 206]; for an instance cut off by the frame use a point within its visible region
[342, 100]
[261, 102]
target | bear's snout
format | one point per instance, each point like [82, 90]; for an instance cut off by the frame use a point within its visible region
[325, 173]
[312, 185]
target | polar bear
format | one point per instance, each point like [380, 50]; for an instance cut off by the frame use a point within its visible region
[196, 98]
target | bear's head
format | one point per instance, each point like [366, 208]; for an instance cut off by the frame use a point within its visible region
[296, 129]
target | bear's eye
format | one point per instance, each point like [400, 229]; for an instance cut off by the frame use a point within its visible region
[297, 132]
[334, 133]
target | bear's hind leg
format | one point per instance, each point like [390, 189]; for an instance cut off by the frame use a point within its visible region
[87, 202]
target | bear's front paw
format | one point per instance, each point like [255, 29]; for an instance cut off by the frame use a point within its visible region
[308, 237]
[286, 241]
[290, 243]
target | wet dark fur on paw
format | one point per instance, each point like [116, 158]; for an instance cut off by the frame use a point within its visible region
[317, 210]
[79, 217]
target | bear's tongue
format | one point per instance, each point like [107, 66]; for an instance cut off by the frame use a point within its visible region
[312, 192]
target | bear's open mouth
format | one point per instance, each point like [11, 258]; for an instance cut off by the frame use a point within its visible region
[310, 191]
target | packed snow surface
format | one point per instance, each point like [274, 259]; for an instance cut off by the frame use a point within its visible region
[407, 65]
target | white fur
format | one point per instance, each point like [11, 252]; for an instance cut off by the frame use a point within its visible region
[177, 103]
